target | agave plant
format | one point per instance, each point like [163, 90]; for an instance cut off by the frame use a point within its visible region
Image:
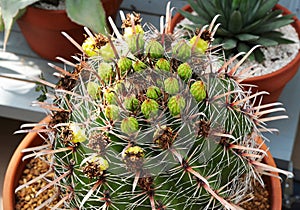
[146, 120]
[243, 23]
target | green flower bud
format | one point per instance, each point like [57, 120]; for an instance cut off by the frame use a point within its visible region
[155, 49]
[163, 64]
[119, 86]
[93, 90]
[153, 92]
[77, 133]
[129, 125]
[107, 52]
[201, 45]
[184, 71]
[110, 96]
[112, 112]
[198, 90]
[131, 103]
[182, 51]
[139, 66]
[89, 47]
[105, 71]
[176, 104]
[129, 32]
[171, 85]
[124, 65]
[135, 43]
[149, 108]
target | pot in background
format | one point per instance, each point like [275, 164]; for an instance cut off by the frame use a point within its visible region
[16, 167]
[42, 30]
[273, 82]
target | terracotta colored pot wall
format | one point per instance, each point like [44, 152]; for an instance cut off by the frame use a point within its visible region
[111, 7]
[272, 182]
[273, 82]
[42, 30]
[16, 166]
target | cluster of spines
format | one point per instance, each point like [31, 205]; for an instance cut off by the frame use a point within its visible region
[130, 140]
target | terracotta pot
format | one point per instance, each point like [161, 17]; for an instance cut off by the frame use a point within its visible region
[16, 167]
[273, 183]
[42, 30]
[273, 82]
[111, 7]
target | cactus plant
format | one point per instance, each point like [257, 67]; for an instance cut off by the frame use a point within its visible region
[170, 139]
[243, 23]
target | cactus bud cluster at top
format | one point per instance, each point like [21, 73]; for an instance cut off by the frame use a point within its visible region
[153, 121]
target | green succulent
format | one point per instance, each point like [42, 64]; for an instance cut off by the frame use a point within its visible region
[150, 139]
[243, 23]
[86, 13]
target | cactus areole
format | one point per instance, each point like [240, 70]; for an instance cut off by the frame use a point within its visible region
[134, 134]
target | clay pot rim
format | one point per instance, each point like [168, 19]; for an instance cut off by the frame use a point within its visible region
[55, 11]
[296, 24]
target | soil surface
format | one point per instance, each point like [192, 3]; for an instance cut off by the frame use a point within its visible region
[26, 200]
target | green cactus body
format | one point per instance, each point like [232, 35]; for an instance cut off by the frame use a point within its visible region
[147, 142]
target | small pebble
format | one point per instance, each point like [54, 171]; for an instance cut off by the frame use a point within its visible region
[25, 198]
[260, 199]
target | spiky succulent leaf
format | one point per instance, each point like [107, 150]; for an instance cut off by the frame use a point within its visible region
[243, 22]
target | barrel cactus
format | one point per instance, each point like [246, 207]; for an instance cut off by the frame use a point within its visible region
[146, 120]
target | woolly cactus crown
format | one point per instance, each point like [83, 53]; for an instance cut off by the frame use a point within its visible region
[148, 120]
